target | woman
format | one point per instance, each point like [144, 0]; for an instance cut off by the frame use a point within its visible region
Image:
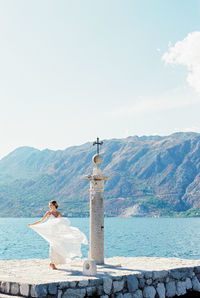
[65, 241]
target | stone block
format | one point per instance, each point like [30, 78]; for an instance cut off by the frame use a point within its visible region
[74, 293]
[24, 289]
[52, 288]
[141, 283]
[132, 283]
[63, 285]
[161, 290]
[89, 267]
[170, 289]
[120, 295]
[138, 294]
[148, 274]
[91, 291]
[95, 282]
[72, 284]
[107, 285]
[83, 283]
[140, 275]
[5, 287]
[59, 294]
[33, 291]
[197, 269]
[190, 272]
[149, 281]
[38, 290]
[149, 292]
[118, 286]
[181, 288]
[178, 274]
[14, 288]
[127, 295]
[195, 284]
[188, 283]
[159, 274]
[198, 276]
[100, 290]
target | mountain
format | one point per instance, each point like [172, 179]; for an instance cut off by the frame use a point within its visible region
[149, 176]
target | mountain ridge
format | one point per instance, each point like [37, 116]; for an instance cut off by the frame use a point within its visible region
[149, 176]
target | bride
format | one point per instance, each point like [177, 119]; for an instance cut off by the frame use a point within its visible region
[65, 241]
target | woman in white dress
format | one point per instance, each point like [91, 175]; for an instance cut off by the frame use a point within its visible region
[65, 241]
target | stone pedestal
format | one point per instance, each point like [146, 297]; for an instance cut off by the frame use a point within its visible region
[89, 267]
[97, 215]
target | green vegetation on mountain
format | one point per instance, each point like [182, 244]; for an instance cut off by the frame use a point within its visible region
[149, 176]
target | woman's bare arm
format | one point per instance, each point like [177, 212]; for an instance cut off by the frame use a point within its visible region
[41, 220]
[59, 213]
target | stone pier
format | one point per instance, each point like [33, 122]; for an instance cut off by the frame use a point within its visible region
[121, 277]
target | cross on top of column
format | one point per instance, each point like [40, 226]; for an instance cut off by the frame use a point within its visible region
[98, 144]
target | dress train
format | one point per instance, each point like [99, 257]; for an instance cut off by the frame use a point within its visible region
[65, 241]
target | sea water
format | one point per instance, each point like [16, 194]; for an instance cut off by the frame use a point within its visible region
[130, 237]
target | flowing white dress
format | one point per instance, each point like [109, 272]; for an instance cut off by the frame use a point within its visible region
[65, 241]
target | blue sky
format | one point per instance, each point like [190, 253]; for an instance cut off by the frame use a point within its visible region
[74, 70]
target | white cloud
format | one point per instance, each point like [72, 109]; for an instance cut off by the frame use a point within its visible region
[187, 52]
[173, 99]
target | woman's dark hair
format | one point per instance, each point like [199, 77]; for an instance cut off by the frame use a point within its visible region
[54, 203]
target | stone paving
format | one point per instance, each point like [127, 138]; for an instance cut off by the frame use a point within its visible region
[38, 270]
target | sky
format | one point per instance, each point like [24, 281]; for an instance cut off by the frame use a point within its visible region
[72, 70]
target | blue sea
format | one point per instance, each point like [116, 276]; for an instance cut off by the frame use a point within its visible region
[150, 237]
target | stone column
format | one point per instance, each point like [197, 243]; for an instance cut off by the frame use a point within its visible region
[97, 213]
